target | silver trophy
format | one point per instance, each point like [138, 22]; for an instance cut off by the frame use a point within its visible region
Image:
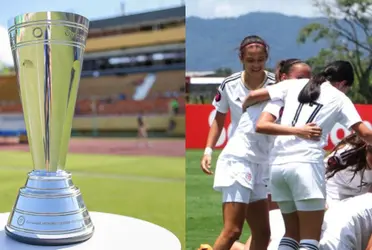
[48, 49]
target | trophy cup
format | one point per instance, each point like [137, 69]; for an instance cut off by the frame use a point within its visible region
[48, 49]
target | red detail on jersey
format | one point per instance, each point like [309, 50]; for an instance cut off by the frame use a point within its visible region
[281, 112]
[333, 161]
[249, 176]
[218, 96]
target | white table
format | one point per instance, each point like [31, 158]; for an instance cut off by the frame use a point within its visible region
[112, 231]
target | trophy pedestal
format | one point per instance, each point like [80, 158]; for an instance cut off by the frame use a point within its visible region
[49, 210]
[111, 232]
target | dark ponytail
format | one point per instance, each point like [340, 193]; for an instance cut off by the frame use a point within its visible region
[336, 71]
[311, 91]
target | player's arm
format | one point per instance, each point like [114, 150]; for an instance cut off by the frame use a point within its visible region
[266, 124]
[369, 246]
[254, 97]
[273, 92]
[363, 132]
[350, 118]
[221, 105]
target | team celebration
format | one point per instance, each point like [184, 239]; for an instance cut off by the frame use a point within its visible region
[273, 173]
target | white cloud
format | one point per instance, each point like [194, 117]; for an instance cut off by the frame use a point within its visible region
[235, 8]
[5, 51]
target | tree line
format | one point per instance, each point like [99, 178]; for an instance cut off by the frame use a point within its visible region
[349, 35]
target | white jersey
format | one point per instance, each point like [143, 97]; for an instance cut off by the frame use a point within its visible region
[245, 143]
[231, 95]
[344, 184]
[348, 225]
[332, 106]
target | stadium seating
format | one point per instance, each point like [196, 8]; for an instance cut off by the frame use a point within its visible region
[109, 86]
[106, 86]
[137, 39]
[129, 107]
[168, 81]
[152, 43]
[9, 89]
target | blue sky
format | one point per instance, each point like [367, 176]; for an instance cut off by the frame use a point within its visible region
[94, 9]
[89, 8]
[233, 8]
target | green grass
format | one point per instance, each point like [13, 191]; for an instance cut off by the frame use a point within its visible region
[203, 204]
[148, 188]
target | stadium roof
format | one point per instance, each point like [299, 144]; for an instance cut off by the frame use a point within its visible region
[199, 73]
[130, 20]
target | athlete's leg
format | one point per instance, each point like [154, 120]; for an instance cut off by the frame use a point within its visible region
[235, 202]
[307, 183]
[281, 193]
[291, 223]
[258, 218]
[237, 246]
[310, 214]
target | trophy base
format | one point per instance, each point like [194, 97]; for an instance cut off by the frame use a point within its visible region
[49, 211]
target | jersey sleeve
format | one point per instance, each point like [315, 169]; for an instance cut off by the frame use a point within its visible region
[279, 91]
[274, 108]
[349, 114]
[220, 101]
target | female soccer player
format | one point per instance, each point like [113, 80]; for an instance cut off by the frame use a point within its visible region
[242, 171]
[349, 225]
[292, 68]
[297, 170]
[348, 169]
[253, 54]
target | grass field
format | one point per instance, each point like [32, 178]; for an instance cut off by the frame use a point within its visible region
[148, 188]
[203, 204]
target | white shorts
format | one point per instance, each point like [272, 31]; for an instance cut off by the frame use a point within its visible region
[287, 207]
[240, 194]
[297, 182]
[248, 174]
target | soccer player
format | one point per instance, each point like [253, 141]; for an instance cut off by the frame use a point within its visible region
[142, 131]
[348, 172]
[348, 169]
[253, 54]
[292, 68]
[242, 170]
[297, 169]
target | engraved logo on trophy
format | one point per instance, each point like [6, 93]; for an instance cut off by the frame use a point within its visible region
[21, 220]
[37, 32]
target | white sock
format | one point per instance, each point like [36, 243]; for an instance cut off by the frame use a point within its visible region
[288, 244]
[309, 244]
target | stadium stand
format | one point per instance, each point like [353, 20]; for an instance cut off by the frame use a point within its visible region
[132, 64]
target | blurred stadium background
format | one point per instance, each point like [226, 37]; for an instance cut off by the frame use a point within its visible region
[133, 64]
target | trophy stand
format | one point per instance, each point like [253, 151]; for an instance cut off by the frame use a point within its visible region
[48, 49]
[49, 200]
